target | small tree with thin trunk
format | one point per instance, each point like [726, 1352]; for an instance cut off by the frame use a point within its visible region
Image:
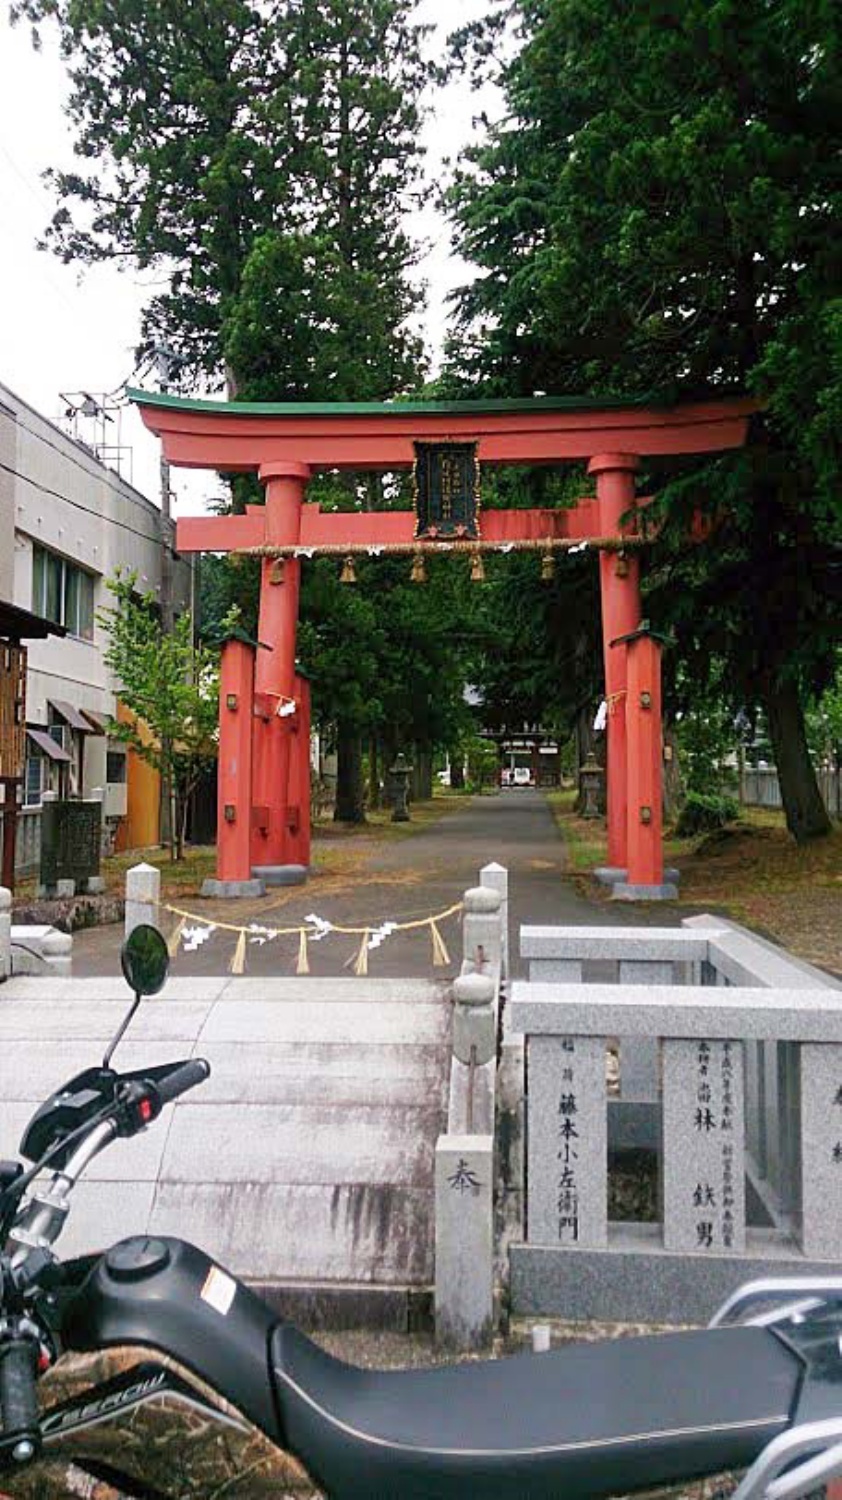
[170, 689]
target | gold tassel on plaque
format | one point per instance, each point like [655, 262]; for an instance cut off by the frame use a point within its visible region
[174, 939]
[419, 569]
[441, 957]
[238, 961]
[276, 572]
[477, 568]
[622, 568]
[349, 572]
[547, 567]
[303, 962]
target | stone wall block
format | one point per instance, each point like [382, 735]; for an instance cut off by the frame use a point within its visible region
[464, 1288]
[567, 1166]
[703, 1147]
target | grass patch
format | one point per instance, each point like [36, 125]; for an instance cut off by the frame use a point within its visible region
[752, 871]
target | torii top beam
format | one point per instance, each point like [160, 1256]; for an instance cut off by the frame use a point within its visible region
[242, 436]
[303, 437]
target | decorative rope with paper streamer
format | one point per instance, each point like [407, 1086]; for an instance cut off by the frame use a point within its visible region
[190, 931]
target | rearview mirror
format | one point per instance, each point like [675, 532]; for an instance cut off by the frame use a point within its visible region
[145, 960]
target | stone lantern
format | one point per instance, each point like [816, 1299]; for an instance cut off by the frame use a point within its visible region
[592, 789]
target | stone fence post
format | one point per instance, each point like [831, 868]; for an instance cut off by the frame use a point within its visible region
[496, 878]
[474, 1019]
[464, 1240]
[482, 934]
[5, 932]
[143, 893]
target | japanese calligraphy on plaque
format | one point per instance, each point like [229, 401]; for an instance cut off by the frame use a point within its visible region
[703, 1144]
[567, 1154]
[447, 490]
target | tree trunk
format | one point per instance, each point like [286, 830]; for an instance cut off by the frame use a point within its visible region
[457, 768]
[349, 776]
[806, 815]
[672, 775]
[374, 798]
[422, 773]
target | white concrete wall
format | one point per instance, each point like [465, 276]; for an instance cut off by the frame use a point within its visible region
[54, 492]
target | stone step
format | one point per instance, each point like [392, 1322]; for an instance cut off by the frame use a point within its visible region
[306, 1157]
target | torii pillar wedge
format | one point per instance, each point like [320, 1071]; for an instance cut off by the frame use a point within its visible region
[234, 774]
[619, 578]
[645, 880]
[273, 851]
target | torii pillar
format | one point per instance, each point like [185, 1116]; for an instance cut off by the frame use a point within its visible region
[619, 579]
[646, 879]
[274, 840]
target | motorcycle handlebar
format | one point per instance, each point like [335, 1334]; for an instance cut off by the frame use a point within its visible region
[184, 1078]
[19, 1422]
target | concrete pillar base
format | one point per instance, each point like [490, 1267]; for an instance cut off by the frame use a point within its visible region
[280, 874]
[613, 875]
[230, 890]
[623, 891]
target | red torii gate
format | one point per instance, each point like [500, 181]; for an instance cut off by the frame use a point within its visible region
[263, 823]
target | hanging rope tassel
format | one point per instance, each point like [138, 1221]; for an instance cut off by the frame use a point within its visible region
[174, 939]
[359, 959]
[441, 957]
[303, 962]
[238, 961]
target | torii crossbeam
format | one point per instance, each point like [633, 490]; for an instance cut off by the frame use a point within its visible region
[263, 825]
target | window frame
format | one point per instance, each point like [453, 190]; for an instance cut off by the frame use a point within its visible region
[74, 583]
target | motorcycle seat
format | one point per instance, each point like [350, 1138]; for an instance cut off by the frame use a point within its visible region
[588, 1420]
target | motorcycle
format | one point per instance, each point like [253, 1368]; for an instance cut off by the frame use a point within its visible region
[182, 1382]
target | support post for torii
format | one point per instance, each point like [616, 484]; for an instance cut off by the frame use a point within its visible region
[234, 775]
[619, 579]
[272, 841]
[645, 880]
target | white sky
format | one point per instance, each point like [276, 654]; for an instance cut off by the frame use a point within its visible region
[63, 328]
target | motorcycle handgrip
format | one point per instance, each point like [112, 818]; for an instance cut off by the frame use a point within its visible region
[18, 1390]
[183, 1078]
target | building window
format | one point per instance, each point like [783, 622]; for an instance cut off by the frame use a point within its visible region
[62, 592]
[33, 780]
[115, 773]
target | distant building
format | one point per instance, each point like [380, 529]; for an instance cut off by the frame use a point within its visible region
[66, 523]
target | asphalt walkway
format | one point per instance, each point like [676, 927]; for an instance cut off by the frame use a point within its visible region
[400, 882]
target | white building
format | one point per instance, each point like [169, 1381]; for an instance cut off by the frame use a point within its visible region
[66, 524]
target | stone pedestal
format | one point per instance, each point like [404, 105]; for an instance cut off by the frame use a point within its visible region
[703, 1147]
[568, 1153]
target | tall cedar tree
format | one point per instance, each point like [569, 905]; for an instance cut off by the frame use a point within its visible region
[266, 157]
[659, 213]
[263, 156]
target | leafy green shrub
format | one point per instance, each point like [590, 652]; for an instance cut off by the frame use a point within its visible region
[704, 811]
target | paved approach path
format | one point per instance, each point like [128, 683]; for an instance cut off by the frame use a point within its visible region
[400, 881]
[308, 1155]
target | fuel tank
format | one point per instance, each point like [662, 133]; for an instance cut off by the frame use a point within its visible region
[164, 1294]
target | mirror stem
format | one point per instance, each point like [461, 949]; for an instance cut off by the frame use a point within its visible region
[106, 1061]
